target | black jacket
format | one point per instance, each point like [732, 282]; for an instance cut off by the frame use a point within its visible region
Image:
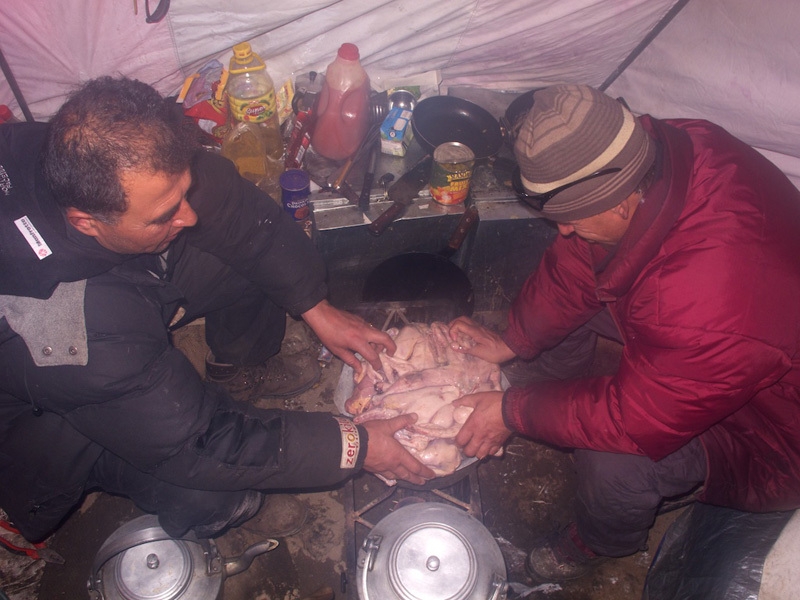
[136, 395]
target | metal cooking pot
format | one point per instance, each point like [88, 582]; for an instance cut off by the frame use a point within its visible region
[140, 561]
[430, 551]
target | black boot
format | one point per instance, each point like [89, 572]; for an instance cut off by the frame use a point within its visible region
[561, 556]
[282, 376]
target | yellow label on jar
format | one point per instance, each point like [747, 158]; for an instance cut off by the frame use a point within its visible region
[253, 110]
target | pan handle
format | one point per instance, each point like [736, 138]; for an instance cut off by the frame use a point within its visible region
[403, 192]
[386, 218]
[468, 219]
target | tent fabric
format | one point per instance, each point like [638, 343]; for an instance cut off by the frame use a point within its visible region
[731, 61]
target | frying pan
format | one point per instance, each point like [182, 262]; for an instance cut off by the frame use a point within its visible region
[440, 119]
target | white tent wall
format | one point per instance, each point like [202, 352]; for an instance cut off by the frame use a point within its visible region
[730, 61]
[734, 62]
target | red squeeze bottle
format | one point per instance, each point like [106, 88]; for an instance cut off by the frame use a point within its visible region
[301, 134]
[343, 109]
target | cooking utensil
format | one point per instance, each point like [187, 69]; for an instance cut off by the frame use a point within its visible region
[340, 184]
[465, 224]
[378, 107]
[366, 187]
[441, 119]
[430, 550]
[348, 192]
[140, 561]
[402, 98]
[402, 194]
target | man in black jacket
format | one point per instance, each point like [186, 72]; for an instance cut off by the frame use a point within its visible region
[114, 227]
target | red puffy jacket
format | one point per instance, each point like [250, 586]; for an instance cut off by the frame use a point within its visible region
[705, 289]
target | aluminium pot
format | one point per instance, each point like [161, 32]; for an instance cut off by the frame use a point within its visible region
[140, 561]
[430, 551]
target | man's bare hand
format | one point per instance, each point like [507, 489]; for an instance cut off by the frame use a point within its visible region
[470, 337]
[346, 334]
[484, 432]
[387, 457]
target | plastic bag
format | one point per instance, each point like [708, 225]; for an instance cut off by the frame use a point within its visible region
[713, 553]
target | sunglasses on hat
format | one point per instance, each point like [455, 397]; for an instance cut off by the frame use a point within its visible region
[537, 201]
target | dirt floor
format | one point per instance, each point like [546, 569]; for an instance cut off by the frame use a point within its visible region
[523, 495]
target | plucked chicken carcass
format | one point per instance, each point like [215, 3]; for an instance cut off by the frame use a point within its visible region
[424, 376]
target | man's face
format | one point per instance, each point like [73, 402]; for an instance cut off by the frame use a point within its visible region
[157, 213]
[606, 228]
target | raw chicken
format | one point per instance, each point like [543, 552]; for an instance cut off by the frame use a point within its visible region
[424, 376]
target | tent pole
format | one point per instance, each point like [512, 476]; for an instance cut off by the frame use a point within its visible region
[671, 13]
[15, 88]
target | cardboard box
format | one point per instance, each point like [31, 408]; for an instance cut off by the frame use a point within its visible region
[396, 132]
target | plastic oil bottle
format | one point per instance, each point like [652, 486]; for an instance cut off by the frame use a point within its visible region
[254, 142]
[343, 106]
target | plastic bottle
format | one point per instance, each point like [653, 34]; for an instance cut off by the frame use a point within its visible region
[254, 141]
[343, 109]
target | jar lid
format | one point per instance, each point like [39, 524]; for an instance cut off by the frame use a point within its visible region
[294, 180]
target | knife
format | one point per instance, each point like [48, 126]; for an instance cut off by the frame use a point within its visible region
[348, 192]
[340, 184]
[366, 188]
[402, 194]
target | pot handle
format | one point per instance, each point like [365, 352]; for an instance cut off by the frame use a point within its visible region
[499, 587]
[371, 547]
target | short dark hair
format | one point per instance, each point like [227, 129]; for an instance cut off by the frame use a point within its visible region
[107, 127]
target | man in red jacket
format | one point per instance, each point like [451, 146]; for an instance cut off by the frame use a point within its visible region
[683, 243]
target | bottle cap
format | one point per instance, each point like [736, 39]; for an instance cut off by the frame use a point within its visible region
[348, 51]
[242, 52]
[245, 60]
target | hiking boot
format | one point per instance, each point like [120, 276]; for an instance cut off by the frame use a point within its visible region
[280, 377]
[561, 556]
[281, 515]
[249, 507]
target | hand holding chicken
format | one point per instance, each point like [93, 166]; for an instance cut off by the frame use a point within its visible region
[425, 376]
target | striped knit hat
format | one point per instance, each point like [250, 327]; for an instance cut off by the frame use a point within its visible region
[571, 132]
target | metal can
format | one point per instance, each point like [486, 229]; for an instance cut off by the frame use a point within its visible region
[451, 172]
[295, 189]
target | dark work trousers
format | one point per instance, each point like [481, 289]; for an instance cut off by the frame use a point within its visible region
[243, 327]
[179, 509]
[619, 494]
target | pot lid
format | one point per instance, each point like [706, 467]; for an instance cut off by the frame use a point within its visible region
[430, 551]
[160, 569]
[140, 561]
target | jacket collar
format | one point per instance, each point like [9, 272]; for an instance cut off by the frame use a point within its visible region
[654, 219]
